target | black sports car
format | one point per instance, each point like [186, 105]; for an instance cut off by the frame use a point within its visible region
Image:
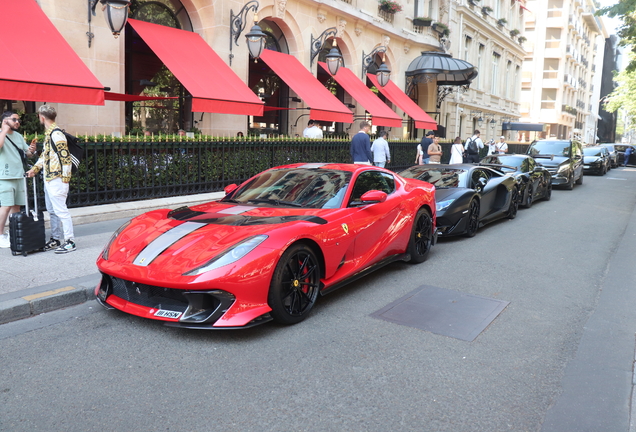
[534, 180]
[468, 196]
[596, 160]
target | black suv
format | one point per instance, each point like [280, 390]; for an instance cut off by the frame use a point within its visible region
[563, 158]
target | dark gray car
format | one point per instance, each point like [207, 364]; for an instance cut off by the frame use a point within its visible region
[612, 152]
[563, 158]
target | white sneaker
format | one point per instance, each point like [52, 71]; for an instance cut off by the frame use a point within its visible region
[4, 241]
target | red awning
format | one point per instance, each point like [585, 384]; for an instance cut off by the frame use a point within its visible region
[213, 85]
[381, 114]
[37, 62]
[123, 97]
[398, 97]
[323, 105]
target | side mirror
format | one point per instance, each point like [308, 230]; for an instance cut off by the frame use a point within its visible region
[373, 196]
[230, 188]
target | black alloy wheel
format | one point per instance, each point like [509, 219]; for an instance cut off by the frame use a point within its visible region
[514, 203]
[529, 196]
[473, 218]
[421, 236]
[548, 192]
[295, 285]
[570, 184]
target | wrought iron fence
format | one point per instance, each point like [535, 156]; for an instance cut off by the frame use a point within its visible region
[115, 172]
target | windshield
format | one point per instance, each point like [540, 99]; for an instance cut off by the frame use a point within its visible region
[295, 187]
[512, 161]
[440, 177]
[557, 148]
[592, 151]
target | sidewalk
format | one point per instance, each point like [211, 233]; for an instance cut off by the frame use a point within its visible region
[45, 281]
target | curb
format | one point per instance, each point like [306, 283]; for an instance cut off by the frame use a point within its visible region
[46, 301]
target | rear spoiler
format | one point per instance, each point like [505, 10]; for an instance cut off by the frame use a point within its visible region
[543, 156]
[497, 166]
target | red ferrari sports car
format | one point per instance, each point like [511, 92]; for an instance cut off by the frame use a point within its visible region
[268, 248]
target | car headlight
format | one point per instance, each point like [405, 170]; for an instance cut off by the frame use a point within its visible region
[442, 205]
[231, 255]
[106, 251]
[563, 168]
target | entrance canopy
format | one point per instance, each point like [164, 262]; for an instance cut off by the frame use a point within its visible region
[213, 85]
[398, 97]
[526, 127]
[323, 105]
[381, 114]
[30, 71]
[446, 69]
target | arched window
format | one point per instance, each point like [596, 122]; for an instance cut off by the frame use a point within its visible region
[147, 75]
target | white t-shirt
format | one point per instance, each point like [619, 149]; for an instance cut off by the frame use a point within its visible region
[313, 132]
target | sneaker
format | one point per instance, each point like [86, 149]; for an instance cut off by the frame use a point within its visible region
[51, 244]
[4, 241]
[68, 246]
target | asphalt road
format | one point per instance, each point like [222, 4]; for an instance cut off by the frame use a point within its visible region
[558, 358]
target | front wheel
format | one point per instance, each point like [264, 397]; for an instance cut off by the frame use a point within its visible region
[295, 285]
[570, 184]
[421, 236]
[548, 192]
[473, 219]
[529, 196]
[579, 181]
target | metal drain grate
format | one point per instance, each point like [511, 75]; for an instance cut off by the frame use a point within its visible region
[444, 312]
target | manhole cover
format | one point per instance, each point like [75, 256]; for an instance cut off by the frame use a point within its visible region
[444, 312]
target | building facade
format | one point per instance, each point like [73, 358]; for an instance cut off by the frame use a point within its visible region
[562, 69]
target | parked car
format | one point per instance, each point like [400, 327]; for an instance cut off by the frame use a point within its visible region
[620, 148]
[611, 148]
[268, 248]
[534, 180]
[468, 196]
[563, 158]
[596, 160]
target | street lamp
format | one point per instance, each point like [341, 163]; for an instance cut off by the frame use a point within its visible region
[255, 37]
[116, 12]
[334, 58]
[383, 73]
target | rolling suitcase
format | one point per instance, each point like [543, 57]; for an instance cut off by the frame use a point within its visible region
[26, 229]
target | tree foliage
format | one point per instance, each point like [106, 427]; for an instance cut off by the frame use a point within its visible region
[625, 10]
[624, 95]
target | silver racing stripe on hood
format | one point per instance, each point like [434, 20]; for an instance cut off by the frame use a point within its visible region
[164, 241]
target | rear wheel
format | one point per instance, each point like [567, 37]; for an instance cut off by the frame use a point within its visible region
[473, 218]
[295, 285]
[548, 192]
[421, 236]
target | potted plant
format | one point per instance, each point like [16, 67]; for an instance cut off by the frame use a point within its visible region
[486, 10]
[514, 33]
[502, 22]
[422, 21]
[441, 28]
[522, 39]
[473, 2]
[390, 6]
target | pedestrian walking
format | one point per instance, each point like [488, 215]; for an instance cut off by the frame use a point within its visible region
[380, 149]
[55, 163]
[361, 145]
[457, 152]
[435, 152]
[472, 147]
[628, 152]
[13, 153]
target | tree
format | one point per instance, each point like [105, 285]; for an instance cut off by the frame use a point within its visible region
[624, 95]
[626, 11]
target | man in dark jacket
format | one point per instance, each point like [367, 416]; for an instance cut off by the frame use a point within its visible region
[361, 146]
[426, 141]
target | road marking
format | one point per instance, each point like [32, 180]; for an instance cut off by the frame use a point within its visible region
[614, 178]
[48, 293]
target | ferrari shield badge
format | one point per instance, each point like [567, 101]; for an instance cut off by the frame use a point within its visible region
[345, 228]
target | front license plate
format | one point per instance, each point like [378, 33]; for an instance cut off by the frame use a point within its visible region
[586, 166]
[167, 314]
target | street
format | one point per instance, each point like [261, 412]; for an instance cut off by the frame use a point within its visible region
[558, 358]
